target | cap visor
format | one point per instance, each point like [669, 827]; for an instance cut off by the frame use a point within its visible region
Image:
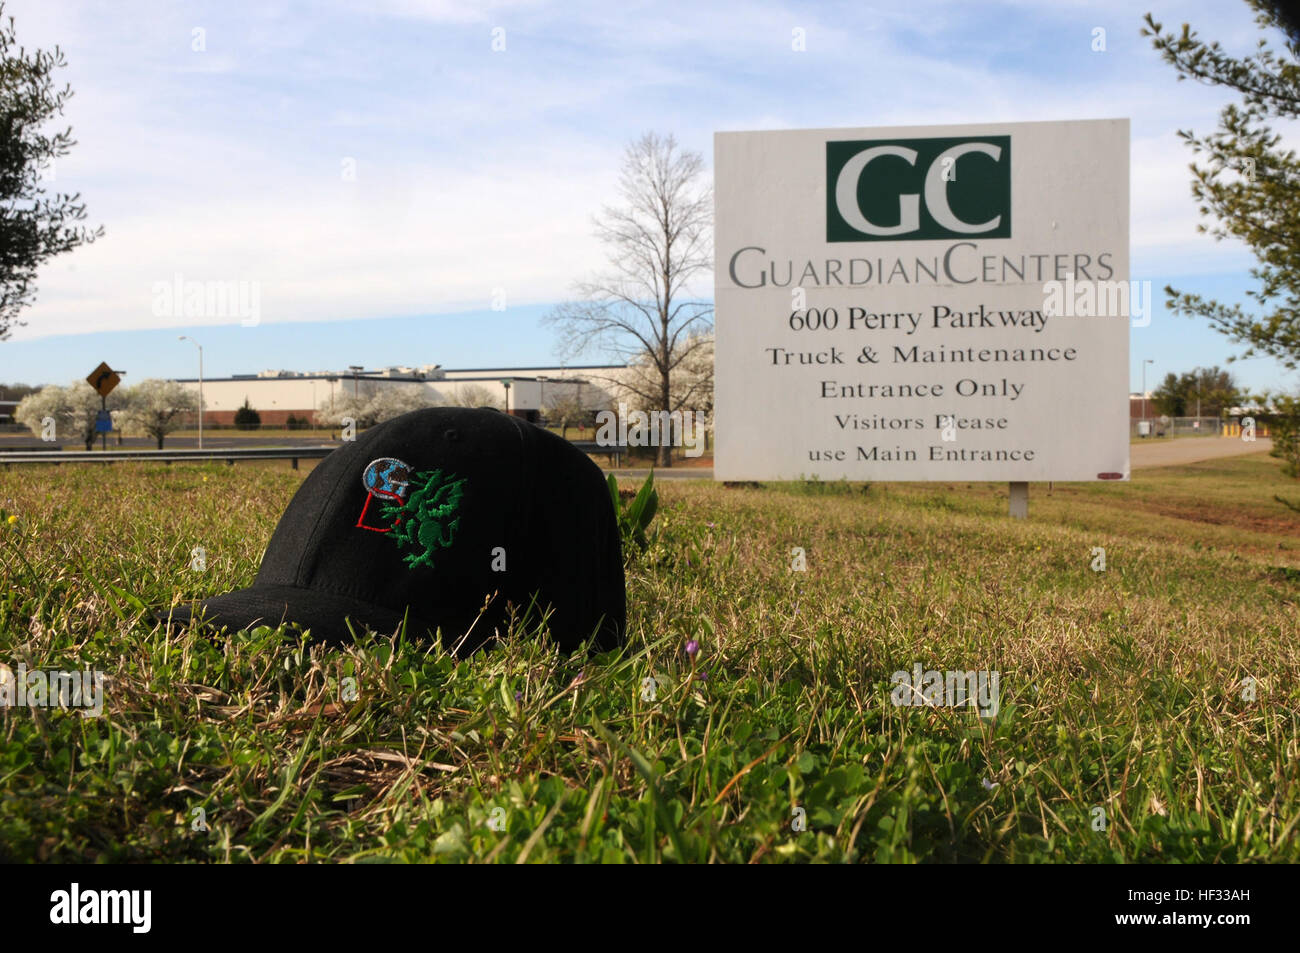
[325, 614]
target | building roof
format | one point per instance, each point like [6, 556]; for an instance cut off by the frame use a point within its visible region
[492, 373]
[542, 367]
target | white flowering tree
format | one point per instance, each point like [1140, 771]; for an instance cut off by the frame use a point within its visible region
[395, 400]
[158, 407]
[73, 410]
[374, 406]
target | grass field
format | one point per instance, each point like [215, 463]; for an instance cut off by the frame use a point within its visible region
[1148, 712]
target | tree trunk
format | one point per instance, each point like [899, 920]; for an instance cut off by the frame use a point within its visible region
[160, 440]
[665, 439]
[665, 382]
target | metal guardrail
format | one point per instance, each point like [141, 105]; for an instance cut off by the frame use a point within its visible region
[229, 454]
[613, 451]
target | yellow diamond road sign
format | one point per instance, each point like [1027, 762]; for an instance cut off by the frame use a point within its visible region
[103, 379]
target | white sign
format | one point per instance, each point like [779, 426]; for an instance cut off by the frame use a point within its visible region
[924, 303]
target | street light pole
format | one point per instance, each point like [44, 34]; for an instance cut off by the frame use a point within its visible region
[1144, 389]
[184, 337]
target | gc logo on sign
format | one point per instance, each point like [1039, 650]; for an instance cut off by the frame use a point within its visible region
[918, 189]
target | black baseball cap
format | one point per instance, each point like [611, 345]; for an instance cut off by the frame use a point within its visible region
[451, 519]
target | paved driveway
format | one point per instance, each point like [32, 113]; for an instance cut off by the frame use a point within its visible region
[1169, 453]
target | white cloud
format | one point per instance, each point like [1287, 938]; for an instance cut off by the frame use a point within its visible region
[477, 171]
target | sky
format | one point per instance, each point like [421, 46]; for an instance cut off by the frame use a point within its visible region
[398, 191]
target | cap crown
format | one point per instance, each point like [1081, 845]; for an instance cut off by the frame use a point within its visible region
[441, 510]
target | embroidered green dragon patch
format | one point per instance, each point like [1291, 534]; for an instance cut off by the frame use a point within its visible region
[426, 517]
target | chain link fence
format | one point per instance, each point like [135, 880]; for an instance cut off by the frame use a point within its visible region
[1162, 426]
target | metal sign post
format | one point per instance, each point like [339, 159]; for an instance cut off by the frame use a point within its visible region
[104, 379]
[1019, 500]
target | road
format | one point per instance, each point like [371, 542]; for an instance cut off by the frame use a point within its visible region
[212, 441]
[673, 473]
[1172, 453]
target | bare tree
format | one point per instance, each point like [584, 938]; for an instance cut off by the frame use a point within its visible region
[563, 407]
[475, 395]
[641, 310]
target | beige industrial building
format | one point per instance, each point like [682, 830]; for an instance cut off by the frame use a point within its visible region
[277, 395]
